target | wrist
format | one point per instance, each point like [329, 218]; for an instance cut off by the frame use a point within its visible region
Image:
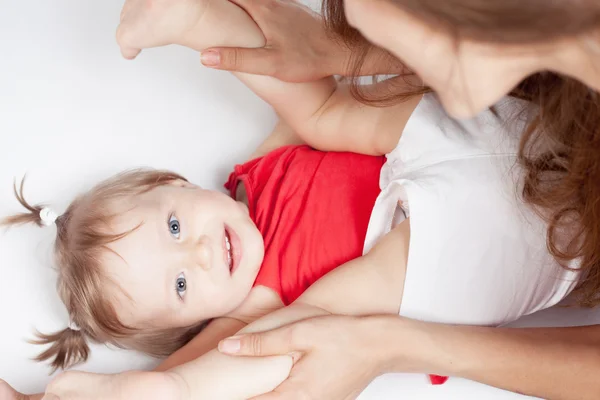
[403, 345]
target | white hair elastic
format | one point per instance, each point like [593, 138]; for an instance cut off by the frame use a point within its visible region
[73, 326]
[48, 216]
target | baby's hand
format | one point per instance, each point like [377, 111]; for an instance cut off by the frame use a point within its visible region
[8, 393]
[154, 23]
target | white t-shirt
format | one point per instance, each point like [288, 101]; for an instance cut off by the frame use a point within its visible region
[477, 253]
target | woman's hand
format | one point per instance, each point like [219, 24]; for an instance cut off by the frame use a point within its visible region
[298, 47]
[325, 350]
[362, 348]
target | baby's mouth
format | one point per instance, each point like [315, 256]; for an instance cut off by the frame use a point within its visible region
[228, 250]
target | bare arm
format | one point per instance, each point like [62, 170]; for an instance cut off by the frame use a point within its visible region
[553, 363]
[345, 124]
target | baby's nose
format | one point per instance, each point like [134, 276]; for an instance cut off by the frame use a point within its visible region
[203, 253]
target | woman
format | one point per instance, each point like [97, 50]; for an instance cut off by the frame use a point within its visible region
[501, 46]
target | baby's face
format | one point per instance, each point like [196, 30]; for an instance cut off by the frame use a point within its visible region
[195, 256]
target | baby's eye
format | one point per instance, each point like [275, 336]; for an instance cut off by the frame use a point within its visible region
[174, 227]
[181, 285]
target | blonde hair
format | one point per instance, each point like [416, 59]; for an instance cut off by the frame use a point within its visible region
[82, 237]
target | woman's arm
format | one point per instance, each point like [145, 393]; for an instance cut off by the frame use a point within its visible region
[552, 363]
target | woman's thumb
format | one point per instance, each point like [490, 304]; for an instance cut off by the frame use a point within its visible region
[257, 61]
[271, 343]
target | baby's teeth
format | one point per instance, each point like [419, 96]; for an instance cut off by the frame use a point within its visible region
[228, 246]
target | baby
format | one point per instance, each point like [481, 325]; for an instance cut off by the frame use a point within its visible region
[147, 258]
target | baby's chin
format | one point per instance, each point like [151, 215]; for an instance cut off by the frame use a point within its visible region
[233, 304]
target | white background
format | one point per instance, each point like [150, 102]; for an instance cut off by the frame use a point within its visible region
[73, 112]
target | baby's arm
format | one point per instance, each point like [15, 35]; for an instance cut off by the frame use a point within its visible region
[323, 114]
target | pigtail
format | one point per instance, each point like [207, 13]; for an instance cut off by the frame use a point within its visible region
[26, 217]
[67, 348]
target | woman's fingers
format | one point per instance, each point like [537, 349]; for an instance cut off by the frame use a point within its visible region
[276, 342]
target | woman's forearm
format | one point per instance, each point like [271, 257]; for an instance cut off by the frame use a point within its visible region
[554, 363]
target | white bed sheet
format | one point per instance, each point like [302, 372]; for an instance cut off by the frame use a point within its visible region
[73, 112]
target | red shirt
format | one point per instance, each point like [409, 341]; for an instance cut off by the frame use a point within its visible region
[312, 209]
